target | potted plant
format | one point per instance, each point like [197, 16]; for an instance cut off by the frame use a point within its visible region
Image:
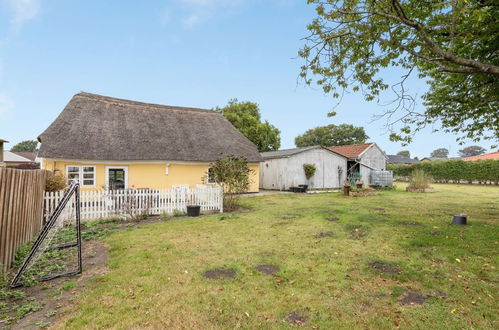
[309, 170]
[193, 210]
[346, 188]
[359, 183]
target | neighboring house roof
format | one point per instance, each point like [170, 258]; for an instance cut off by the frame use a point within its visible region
[29, 155]
[352, 150]
[11, 157]
[285, 153]
[490, 155]
[397, 159]
[96, 127]
[434, 159]
[1, 141]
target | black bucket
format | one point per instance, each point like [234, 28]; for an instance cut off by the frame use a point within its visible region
[303, 187]
[459, 219]
[193, 210]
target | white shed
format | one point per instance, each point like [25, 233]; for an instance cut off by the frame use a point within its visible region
[283, 169]
[363, 158]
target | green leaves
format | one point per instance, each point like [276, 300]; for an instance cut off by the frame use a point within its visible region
[452, 44]
[245, 116]
[332, 135]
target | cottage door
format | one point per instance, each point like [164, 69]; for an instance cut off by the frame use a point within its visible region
[116, 178]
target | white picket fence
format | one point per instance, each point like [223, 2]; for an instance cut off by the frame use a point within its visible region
[99, 204]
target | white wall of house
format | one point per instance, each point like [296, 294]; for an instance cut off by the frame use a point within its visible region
[282, 173]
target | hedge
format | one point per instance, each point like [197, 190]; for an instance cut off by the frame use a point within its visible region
[452, 170]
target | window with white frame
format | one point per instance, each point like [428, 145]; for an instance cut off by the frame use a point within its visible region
[85, 175]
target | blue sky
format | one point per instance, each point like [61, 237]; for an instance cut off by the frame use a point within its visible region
[197, 53]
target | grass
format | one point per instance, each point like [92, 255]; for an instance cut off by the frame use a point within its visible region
[384, 248]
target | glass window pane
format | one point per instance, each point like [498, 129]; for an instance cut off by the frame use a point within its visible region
[88, 175]
[88, 182]
[88, 169]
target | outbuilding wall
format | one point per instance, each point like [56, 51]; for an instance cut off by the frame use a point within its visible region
[374, 158]
[282, 173]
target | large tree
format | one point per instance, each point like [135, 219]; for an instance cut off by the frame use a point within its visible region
[26, 146]
[440, 153]
[332, 135]
[450, 44]
[405, 153]
[471, 151]
[245, 116]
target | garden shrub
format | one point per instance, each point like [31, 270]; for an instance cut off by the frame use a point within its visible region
[309, 170]
[419, 179]
[55, 183]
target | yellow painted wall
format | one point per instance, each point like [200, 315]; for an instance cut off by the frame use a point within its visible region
[151, 176]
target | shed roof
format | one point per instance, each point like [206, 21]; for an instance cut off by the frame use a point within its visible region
[290, 152]
[96, 127]
[9, 156]
[28, 155]
[397, 159]
[351, 150]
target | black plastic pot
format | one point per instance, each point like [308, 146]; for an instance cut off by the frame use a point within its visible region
[459, 219]
[193, 210]
[303, 187]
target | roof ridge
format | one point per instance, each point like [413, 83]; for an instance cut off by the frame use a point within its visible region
[296, 148]
[116, 100]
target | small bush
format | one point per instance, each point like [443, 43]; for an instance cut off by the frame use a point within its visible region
[419, 180]
[179, 213]
[309, 170]
[55, 183]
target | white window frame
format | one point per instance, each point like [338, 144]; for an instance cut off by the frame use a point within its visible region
[80, 174]
[125, 168]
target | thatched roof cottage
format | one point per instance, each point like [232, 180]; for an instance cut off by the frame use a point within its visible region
[108, 142]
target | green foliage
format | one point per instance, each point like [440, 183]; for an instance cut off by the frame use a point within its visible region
[332, 135]
[25, 146]
[404, 153]
[309, 170]
[234, 174]
[26, 308]
[179, 213]
[55, 183]
[245, 116]
[419, 179]
[452, 170]
[69, 285]
[440, 153]
[471, 151]
[450, 44]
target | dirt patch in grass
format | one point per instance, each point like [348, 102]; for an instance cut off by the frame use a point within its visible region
[385, 268]
[324, 234]
[296, 318]
[357, 231]
[413, 298]
[53, 296]
[436, 233]
[281, 223]
[267, 269]
[439, 294]
[220, 273]
[410, 223]
[290, 216]
[332, 219]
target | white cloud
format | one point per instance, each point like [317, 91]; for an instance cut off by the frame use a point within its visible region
[6, 105]
[191, 20]
[23, 11]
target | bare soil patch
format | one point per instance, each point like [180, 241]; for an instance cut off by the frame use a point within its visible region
[220, 273]
[324, 234]
[413, 298]
[290, 216]
[357, 231]
[268, 269]
[332, 219]
[296, 319]
[385, 268]
[436, 233]
[50, 295]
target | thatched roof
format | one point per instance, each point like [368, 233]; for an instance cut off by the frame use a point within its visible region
[95, 127]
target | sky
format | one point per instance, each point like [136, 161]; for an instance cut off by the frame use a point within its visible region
[194, 53]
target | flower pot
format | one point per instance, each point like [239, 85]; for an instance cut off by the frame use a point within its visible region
[459, 219]
[193, 210]
[303, 187]
[359, 185]
[346, 190]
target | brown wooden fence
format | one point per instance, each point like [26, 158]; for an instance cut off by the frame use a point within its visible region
[21, 209]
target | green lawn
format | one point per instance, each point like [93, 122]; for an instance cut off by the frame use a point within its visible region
[382, 249]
